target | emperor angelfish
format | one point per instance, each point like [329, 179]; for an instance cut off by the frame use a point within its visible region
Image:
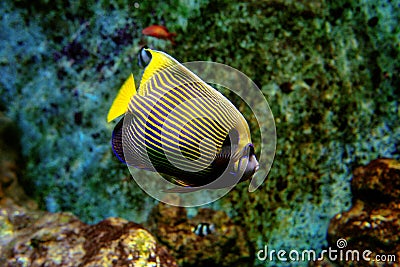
[177, 124]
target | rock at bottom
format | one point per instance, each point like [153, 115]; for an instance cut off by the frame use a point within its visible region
[372, 225]
[36, 238]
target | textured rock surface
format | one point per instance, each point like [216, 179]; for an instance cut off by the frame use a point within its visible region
[30, 237]
[373, 222]
[61, 239]
[379, 181]
[227, 245]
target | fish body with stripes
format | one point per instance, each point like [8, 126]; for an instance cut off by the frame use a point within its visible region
[177, 124]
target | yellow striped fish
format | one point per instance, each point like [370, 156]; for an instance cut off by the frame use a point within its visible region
[176, 124]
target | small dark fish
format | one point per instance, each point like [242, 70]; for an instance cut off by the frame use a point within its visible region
[203, 229]
[160, 32]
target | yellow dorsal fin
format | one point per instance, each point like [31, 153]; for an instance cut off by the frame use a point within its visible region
[159, 60]
[121, 102]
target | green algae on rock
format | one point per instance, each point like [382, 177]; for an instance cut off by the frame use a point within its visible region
[321, 72]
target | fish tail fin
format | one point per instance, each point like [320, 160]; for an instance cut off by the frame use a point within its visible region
[121, 102]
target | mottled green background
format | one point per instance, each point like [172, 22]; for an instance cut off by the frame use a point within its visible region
[329, 69]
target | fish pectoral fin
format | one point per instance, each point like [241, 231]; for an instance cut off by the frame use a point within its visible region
[121, 102]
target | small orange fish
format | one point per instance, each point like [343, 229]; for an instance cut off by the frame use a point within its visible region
[160, 32]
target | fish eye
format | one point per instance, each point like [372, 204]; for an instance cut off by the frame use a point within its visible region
[144, 57]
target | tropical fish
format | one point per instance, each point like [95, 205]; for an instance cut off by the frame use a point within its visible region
[160, 32]
[203, 229]
[178, 125]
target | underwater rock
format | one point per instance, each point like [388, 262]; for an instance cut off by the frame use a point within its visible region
[225, 245]
[10, 157]
[30, 237]
[373, 222]
[60, 239]
[379, 181]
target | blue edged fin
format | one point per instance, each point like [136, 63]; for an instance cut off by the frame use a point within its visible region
[116, 141]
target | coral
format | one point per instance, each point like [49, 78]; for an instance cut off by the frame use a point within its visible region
[226, 245]
[373, 222]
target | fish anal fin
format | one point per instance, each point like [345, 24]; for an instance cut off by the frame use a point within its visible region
[121, 102]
